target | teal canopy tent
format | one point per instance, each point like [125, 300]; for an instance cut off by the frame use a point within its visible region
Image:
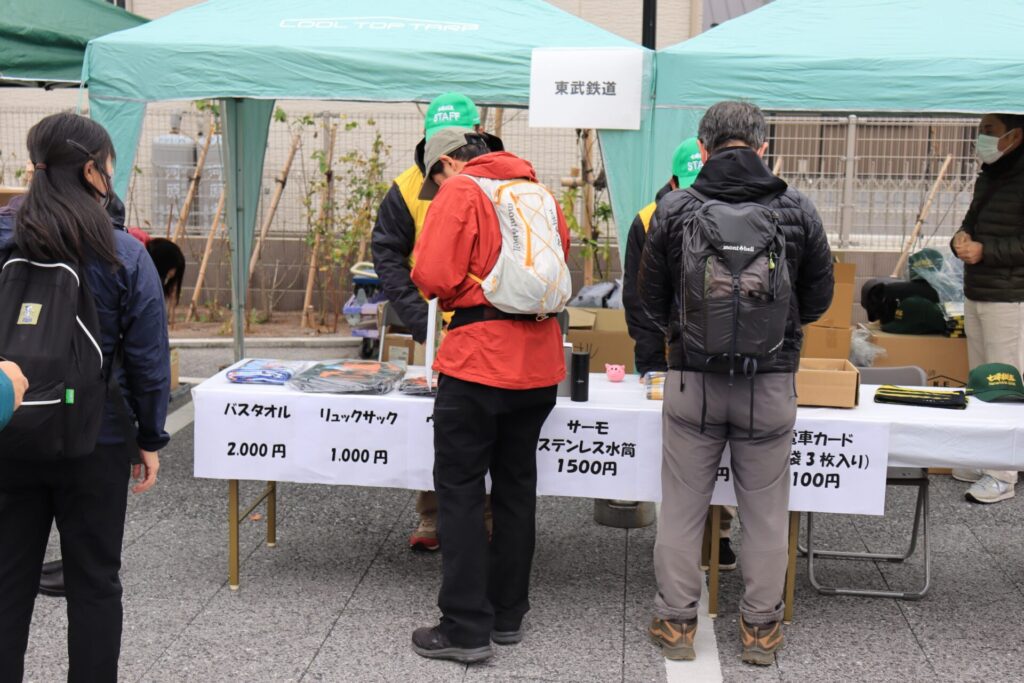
[919, 56]
[251, 54]
[42, 42]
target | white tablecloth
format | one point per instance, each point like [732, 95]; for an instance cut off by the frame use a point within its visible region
[608, 447]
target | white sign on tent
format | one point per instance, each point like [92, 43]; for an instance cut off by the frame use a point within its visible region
[586, 88]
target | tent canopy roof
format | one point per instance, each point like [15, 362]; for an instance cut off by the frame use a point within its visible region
[42, 41]
[939, 56]
[402, 50]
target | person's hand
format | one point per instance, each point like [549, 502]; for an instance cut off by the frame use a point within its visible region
[151, 465]
[971, 252]
[19, 380]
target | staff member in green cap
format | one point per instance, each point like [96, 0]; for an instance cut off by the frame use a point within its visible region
[400, 220]
[990, 242]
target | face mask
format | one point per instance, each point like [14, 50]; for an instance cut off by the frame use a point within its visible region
[986, 147]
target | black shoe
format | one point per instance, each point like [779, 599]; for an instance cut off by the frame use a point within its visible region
[51, 580]
[431, 643]
[726, 557]
[510, 637]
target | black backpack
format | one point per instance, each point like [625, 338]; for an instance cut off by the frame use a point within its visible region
[736, 286]
[49, 327]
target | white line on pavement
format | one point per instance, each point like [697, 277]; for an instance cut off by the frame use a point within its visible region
[180, 418]
[706, 668]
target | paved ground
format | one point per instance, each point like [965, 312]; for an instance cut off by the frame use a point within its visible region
[339, 596]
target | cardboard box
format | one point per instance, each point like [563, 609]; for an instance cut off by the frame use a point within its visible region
[840, 313]
[944, 359]
[9, 193]
[602, 333]
[826, 342]
[827, 382]
[400, 349]
[175, 369]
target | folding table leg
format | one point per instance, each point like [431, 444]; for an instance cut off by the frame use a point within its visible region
[794, 539]
[233, 573]
[271, 514]
[713, 568]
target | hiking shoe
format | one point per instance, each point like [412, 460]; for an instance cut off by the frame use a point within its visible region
[760, 642]
[425, 536]
[968, 475]
[726, 557]
[507, 637]
[429, 642]
[988, 489]
[675, 638]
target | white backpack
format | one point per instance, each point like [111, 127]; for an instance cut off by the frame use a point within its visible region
[530, 276]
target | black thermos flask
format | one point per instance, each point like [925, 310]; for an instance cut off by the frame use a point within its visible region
[580, 376]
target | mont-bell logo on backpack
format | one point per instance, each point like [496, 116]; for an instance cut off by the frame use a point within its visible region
[29, 314]
[738, 247]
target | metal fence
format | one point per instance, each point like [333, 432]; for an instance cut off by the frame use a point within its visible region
[870, 176]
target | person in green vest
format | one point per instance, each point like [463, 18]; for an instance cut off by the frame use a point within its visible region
[399, 223]
[13, 386]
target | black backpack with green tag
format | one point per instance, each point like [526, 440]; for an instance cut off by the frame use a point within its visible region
[736, 286]
[49, 327]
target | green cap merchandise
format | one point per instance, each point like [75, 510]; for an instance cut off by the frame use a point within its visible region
[450, 109]
[995, 382]
[917, 315]
[686, 163]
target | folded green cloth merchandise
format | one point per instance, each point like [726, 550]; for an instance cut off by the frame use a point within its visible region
[919, 396]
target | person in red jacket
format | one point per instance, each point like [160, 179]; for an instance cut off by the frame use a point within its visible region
[498, 377]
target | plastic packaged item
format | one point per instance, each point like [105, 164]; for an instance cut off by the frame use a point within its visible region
[417, 386]
[862, 352]
[267, 371]
[654, 385]
[597, 295]
[348, 376]
[943, 271]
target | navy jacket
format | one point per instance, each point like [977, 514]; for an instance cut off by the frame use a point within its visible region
[130, 306]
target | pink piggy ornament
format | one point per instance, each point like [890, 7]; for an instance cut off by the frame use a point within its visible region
[616, 373]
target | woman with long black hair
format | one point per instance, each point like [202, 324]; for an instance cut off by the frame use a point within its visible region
[63, 220]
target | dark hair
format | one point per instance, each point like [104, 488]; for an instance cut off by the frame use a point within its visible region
[61, 219]
[166, 257]
[728, 122]
[476, 146]
[1011, 121]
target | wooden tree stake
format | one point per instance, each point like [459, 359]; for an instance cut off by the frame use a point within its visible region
[307, 301]
[280, 180]
[916, 232]
[214, 229]
[193, 185]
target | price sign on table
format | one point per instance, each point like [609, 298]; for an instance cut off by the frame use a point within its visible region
[834, 467]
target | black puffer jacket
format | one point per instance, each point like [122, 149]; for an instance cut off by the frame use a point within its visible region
[996, 219]
[736, 175]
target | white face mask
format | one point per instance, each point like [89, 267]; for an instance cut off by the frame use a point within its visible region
[986, 147]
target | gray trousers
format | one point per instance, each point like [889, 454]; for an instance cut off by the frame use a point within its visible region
[760, 467]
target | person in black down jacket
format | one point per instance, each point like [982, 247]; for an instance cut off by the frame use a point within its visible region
[991, 244]
[706, 410]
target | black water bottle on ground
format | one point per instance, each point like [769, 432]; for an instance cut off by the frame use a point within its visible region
[580, 376]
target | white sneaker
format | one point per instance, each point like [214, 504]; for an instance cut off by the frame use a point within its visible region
[988, 489]
[968, 475]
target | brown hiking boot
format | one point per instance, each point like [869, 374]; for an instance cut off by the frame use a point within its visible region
[675, 638]
[761, 641]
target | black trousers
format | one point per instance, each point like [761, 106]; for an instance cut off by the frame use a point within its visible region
[87, 496]
[479, 429]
